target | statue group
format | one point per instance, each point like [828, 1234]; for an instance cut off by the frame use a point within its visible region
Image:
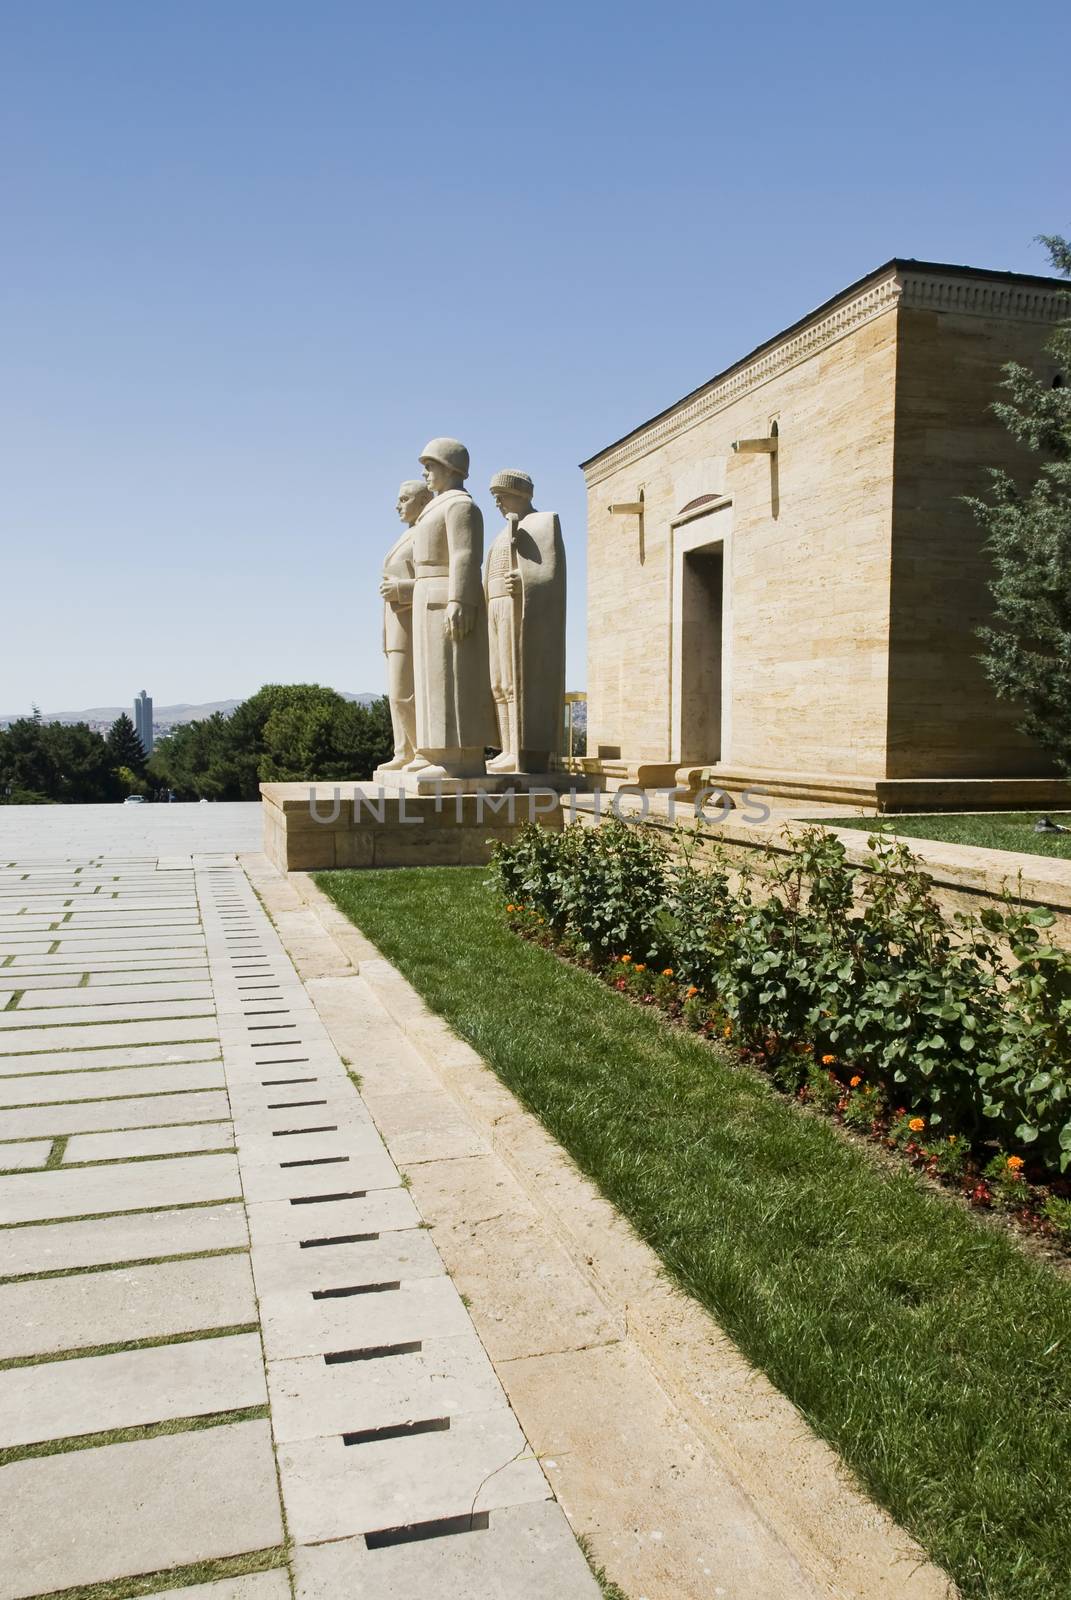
[475, 654]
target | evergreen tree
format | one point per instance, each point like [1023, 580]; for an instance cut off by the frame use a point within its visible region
[1027, 648]
[124, 746]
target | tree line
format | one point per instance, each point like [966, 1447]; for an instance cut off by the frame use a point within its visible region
[56, 763]
[284, 732]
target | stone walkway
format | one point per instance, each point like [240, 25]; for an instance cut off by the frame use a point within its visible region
[230, 1355]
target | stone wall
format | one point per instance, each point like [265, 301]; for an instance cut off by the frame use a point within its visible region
[944, 720]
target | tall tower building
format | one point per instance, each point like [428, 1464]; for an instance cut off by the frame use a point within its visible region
[143, 721]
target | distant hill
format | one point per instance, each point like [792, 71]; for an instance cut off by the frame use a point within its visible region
[171, 715]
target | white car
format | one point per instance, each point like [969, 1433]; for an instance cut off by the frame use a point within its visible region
[134, 800]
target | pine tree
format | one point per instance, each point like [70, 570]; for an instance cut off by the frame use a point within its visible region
[124, 745]
[1027, 648]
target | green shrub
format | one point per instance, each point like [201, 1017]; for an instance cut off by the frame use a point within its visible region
[966, 1021]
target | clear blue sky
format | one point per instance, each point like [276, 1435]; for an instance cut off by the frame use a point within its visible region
[256, 253]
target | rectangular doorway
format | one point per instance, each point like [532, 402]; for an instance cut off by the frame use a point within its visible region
[702, 623]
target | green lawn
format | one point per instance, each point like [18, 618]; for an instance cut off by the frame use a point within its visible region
[921, 1343]
[995, 830]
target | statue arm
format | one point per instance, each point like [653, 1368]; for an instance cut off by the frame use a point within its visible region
[464, 537]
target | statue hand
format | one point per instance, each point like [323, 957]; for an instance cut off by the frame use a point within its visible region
[389, 589]
[513, 584]
[459, 619]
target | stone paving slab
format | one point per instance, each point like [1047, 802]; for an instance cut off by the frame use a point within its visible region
[134, 1236]
[78, 945]
[131, 997]
[288, 1143]
[94, 1394]
[37, 1197]
[11, 980]
[296, 1325]
[58, 1010]
[277, 1221]
[498, 1249]
[103, 1035]
[288, 1269]
[140, 1055]
[369, 1169]
[101, 1308]
[27, 1088]
[480, 1462]
[39, 971]
[525, 1553]
[97, 1115]
[140, 1507]
[444, 1377]
[150, 1142]
[33, 1154]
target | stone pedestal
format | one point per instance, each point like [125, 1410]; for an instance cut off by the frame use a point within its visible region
[401, 782]
[312, 826]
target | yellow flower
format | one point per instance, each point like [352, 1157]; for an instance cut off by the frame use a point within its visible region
[856, 1081]
[727, 1032]
[667, 972]
[917, 1124]
[1015, 1163]
[827, 1061]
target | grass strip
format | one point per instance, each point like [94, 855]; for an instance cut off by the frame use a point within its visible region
[197, 1572]
[57, 1152]
[144, 1430]
[122, 1345]
[994, 830]
[926, 1347]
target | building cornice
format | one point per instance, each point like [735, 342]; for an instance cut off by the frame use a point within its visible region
[922, 287]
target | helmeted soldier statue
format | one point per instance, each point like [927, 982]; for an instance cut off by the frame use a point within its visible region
[454, 716]
[525, 588]
[397, 591]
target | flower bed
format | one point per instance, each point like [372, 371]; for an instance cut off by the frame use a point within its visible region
[945, 1039]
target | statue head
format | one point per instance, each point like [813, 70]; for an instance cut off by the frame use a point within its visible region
[445, 463]
[513, 492]
[413, 496]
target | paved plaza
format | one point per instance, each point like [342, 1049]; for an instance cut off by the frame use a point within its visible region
[231, 1359]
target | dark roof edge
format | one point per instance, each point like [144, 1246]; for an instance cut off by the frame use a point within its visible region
[897, 264]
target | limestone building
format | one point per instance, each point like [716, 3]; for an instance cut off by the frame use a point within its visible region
[784, 583]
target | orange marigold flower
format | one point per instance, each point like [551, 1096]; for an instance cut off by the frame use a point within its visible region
[727, 1031]
[1015, 1163]
[511, 908]
[640, 966]
[667, 972]
[917, 1124]
[827, 1061]
[692, 991]
[856, 1081]
[626, 960]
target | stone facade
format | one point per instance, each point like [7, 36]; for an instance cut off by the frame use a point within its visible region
[808, 612]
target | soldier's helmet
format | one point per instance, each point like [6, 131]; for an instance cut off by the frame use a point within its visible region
[449, 453]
